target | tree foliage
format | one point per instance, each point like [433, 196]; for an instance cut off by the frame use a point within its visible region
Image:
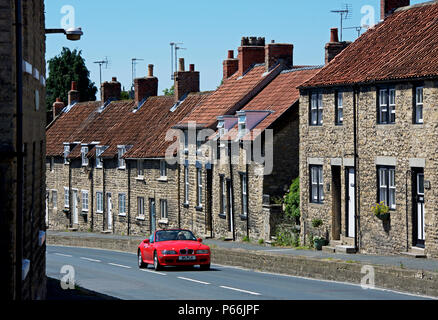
[63, 69]
[169, 91]
[292, 200]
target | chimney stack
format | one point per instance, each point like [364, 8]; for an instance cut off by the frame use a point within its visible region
[230, 65]
[185, 81]
[110, 90]
[58, 105]
[73, 94]
[278, 53]
[146, 87]
[334, 47]
[251, 51]
[387, 7]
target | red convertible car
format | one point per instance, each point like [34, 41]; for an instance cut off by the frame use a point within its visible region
[173, 247]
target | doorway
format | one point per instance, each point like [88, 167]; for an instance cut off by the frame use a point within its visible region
[419, 235]
[350, 203]
[152, 214]
[109, 211]
[230, 207]
[75, 219]
[336, 203]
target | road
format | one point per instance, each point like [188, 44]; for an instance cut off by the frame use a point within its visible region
[116, 274]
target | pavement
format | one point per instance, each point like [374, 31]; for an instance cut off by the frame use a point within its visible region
[116, 274]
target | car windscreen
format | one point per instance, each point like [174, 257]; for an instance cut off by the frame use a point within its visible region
[166, 235]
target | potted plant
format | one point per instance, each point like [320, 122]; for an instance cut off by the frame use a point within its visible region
[381, 211]
[318, 241]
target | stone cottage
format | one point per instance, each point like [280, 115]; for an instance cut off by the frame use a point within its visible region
[368, 135]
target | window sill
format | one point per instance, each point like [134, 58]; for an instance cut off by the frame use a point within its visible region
[162, 179]
[185, 205]
[84, 212]
[99, 167]
[140, 218]
[316, 203]
[139, 178]
[198, 208]
[243, 217]
[121, 168]
[97, 211]
[163, 221]
[122, 214]
[222, 215]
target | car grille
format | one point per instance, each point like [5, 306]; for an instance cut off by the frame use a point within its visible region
[186, 251]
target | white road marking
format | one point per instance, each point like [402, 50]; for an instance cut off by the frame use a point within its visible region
[241, 290]
[274, 250]
[89, 259]
[193, 280]
[64, 255]
[156, 272]
[119, 265]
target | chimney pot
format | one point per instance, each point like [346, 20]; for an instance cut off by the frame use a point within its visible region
[73, 94]
[230, 54]
[57, 107]
[114, 79]
[192, 67]
[73, 86]
[150, 70]
[334, 35]
[181, 64]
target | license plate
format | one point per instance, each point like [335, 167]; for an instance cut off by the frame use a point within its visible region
[187, 258]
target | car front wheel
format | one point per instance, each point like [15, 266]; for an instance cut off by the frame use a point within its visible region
[141, 264]
[205, 266]
[157, 265]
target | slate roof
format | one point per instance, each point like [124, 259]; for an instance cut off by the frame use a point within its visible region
[403, 46]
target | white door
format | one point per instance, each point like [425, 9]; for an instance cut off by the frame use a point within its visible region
[420, 209]
[75, 207]
[47, 207]
[110, 211]
[231, 207]
[351, 203]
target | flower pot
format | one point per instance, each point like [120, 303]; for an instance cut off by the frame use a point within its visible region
[383, 216]
[318, 243]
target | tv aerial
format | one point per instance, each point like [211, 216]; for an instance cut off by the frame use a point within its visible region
[134, 68]
[174, 47]
[105, 62]
[345, 14]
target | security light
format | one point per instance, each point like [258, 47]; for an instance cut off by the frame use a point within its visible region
[74, 34]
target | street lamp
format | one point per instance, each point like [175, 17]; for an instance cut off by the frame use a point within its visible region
[72, 34]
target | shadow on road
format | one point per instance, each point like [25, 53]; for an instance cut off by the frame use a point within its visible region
[55, 292]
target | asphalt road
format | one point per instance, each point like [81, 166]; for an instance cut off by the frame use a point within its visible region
[116, 274]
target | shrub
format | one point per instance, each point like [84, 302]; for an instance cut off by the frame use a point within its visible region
[261, 241]
[316, 223]
[246, 239]
[292, 200]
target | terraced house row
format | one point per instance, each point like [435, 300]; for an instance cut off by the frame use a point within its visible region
[357, 131]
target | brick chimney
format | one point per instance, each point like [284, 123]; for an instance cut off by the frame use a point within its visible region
[147, 86]
[185, 81]
[58, 105]
[111, 90]
[278, 53]
[387, 7]
[334, 47]
[73, 94]
[231, 65]
[251, 51]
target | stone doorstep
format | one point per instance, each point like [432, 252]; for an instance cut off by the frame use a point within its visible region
[345, 249]
[415, 252]
[329, 249]
[106, 231]
[73, 229]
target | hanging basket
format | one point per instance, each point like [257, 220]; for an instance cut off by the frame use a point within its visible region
[383, 216]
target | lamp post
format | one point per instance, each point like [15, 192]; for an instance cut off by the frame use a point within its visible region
[72, 34]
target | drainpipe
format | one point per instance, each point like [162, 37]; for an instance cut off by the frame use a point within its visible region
[179, 196]
[129, 195]
[92, 198]
[19, 148]
[356, 220]
[70, 202]
[247, 201]
[231, 187]
[103, 196]
[408, 173]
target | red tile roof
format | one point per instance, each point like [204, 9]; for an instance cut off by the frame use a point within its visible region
[404, 46]
[230, 96]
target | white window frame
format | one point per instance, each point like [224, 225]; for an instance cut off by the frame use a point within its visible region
[66, 197]
[419, 96]
[186, 184]
[54, 199]
[316, 109]
[121, 150]
[84, 151]
[99, 201]
[223, 194]
[99, 151]
[387, 103]
[242, 125]
[244, 194]
[140, 207]
[387, 186]
[340, 108]
[317, 184]
[199, 186]
[140, 168]
[66, 153]
[85, 200]
[52, 164]
[163, 168]
[122, 204]
[186, 141]
[163, 209]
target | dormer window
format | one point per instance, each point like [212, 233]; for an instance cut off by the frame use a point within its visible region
[121, 150]
[66, 153]
[99, 151]
[84, 151]
[242, 125]
[186, 141]
[163, 169]
[221, 127]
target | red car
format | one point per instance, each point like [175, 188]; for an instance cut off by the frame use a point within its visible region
[173, 247]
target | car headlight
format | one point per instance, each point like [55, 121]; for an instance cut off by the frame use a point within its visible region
[201, 251]
[166, 252]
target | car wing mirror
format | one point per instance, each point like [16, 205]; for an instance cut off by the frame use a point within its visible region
[146, 241]
[199, 240]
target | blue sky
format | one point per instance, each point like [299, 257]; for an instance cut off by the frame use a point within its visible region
[122, 30]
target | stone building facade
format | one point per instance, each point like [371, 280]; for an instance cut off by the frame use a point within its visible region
[366, 137]
[22, 222]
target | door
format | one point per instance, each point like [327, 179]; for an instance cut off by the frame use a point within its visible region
[336, 203]
[47, 207]
[351, 203]
[75, 207]
[419, 211]
[230, 207]
[152, 214]
[209, 218]
[109, 211]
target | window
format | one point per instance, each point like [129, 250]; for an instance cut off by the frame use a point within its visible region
[99, 151]
[386, 192]
[223, 195]
[84, 151]
[66, 153]
[120, 152]
[199, 180]
[52, 162]
[186, 140]
[163, 168]
[54, 199]
[418, 105]
[244, 194]
[387, 106]
[221, 127]
[140, 207]
[84, 200]
[122, 204]
[317, 184]
[163, 209]
[339, 108]
[66, 198]
[140, 168]
[242, 125]
[186, 184]
[316, 109]
[99, 201]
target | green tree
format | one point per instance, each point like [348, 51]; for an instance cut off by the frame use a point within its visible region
[292, 200]
[169, 91]
[63, 69]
